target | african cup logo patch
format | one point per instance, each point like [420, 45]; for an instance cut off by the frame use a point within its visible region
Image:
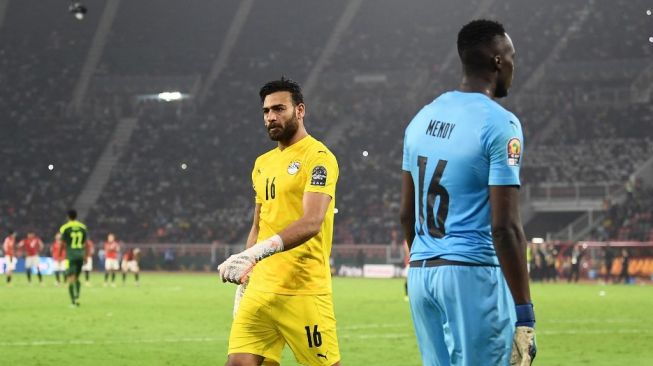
[293, 168]
[514, 151]
[319, 176]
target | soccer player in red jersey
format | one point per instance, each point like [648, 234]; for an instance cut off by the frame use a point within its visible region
[88, 264]
[130, 264]
[59, 256]
[32, 245]
[9, 247]
[111, 249]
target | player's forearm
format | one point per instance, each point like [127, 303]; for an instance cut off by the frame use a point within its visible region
[407, 207]
[300, 231]
[510, 245]
[408, 225]
[252, 237]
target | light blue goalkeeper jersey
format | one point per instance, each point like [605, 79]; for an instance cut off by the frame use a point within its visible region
[455, 148]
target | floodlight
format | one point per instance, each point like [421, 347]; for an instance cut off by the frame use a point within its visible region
[78, 10]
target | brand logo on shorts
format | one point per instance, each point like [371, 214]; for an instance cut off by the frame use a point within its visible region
[323, 355]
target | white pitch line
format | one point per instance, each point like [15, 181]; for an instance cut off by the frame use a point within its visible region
[374, 326]
[377, 336]
[590, 321]
[595, 331]
[110, 341]
[392, 335]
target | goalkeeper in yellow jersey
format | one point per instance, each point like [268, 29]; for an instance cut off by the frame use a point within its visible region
[285, 268]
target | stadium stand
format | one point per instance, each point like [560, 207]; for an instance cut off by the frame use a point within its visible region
[40, 63]
[369, 89]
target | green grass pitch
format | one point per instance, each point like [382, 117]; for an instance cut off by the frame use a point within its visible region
[184, 320]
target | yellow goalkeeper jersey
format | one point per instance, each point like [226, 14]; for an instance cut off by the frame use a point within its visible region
[280, 178]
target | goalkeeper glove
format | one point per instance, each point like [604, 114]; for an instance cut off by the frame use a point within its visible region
[524, 347]
[237, 267]
[240, 291]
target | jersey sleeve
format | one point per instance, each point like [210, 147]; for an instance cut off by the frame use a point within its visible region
[323, 173]
[405, 163]
[65, 234]
[257, 199]
[503, 141]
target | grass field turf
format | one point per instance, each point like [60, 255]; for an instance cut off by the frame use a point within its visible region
[184, 320]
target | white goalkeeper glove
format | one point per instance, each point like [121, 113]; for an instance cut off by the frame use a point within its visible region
[524, 347]
[240, 291]
[237, 267]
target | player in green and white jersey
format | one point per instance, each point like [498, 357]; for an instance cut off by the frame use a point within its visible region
[74, 234]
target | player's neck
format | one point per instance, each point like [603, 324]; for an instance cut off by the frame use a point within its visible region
[300, 134]
[475, 84]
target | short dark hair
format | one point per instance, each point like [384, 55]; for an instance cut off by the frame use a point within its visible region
[282, 84]
[72, 214]
[473, 37]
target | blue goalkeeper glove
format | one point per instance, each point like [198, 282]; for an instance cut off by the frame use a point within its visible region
[524, 347]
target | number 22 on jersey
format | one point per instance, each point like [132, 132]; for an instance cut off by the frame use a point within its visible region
[76, 240]
[435, 228]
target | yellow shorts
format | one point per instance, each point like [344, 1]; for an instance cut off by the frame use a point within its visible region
[265, 322]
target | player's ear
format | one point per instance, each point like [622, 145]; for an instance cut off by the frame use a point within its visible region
[300, 110]
[498, 62]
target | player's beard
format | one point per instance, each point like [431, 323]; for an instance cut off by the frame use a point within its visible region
[286, 131]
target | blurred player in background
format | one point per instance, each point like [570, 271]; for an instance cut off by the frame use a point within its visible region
[625, 264]
[460, 214]
[576, 257]
[9, 247]
[32, 245]
[74, 235]
[88, 263]
[288, 298]
[58, 252]
[111, 265]
[608, 259]
[130, 264]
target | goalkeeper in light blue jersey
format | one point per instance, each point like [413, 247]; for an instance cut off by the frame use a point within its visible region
[468, 283]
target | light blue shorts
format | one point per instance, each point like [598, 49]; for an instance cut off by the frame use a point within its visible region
[463, 315]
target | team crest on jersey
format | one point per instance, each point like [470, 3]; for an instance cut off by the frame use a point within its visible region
[293, 168]
[514, 151]
[319, 176]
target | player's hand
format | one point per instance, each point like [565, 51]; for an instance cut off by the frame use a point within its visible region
[240, 291]
[237, 267]
[524, 347]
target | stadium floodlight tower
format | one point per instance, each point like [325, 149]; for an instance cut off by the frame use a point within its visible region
[77, 9]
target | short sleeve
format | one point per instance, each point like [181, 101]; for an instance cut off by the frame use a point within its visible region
[323, 173]
[255, 173]
[504, 144]
[405, 163]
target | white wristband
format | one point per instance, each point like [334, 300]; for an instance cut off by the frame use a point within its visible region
[266, 248]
